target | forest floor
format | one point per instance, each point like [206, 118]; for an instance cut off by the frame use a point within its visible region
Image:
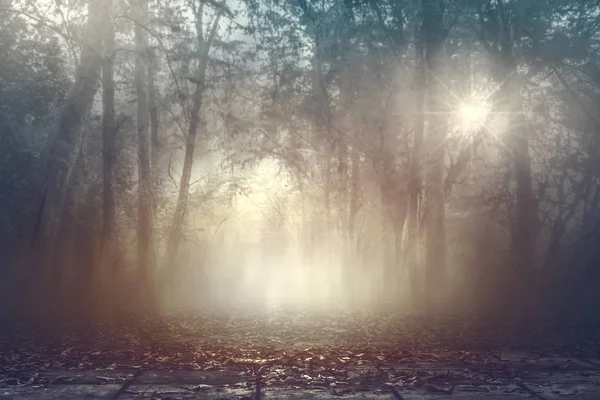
[285, 355]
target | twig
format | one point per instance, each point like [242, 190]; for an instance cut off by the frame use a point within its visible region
[162, 48]
[217, 228]
[45, 24]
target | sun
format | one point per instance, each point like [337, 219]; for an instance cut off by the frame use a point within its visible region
[472, 115]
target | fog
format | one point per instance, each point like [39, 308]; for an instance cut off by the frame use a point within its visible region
[161, 156]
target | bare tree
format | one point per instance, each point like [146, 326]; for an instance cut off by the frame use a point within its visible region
[203, 45]
[146, 256]
[154, 122]
[511, 102]
[108, 138]
[434, 36]
[412, 256]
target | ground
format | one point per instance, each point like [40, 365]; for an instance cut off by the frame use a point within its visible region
[297, 355]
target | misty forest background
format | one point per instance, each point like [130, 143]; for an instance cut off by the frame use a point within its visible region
[416, 154]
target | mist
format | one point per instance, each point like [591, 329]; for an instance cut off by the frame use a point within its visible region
[266, 156]
[299, 199]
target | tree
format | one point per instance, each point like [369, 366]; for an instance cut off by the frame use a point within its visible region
[65, 145]
[204, 41]
[146, 255]
[412, 257]
[502, 26]
[109, 129]
[434, 34]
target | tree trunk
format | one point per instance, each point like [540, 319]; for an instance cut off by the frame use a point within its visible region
[190, 143]
[344, 169]
[108, 141]
[511, 103]
[412, 256]
[387, 200]
[524, 196]
[65, 146]
[354, 196]
[153, 105]
[435, 248]
[45, 266]
[322, 138]
[102, 270]
[145, 259]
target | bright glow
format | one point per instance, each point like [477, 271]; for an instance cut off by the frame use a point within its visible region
[258, 259]
[472, 115]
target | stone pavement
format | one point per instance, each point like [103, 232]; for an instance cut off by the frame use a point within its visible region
[545, 378]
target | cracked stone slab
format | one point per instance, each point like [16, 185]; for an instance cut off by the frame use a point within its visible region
[59, 392]
[595, 362]
[533, 362]
[489, 396]
[213, 377]
[544, 378]
[469, 392]
[321, 394]
[177, 392]
[580, 385]
[87, 377]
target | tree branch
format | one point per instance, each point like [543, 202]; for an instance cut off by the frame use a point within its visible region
[564, 82]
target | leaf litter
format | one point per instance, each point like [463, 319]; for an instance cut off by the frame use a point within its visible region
[340, 352]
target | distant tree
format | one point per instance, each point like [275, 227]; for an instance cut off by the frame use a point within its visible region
[205, 36]
[145, 230]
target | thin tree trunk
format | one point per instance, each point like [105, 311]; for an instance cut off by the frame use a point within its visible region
[321, 129]
[190, 143]
[435, 249]
[154, 122]
[354, 196]
[86, 246]
[103, 272]
[321, 126]
[145, 259]
[108, 140]
[344, 168]
[526, 210]
[72, 268]
[412, 259]
[388, 189]
[511, 103]
[350, 181]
